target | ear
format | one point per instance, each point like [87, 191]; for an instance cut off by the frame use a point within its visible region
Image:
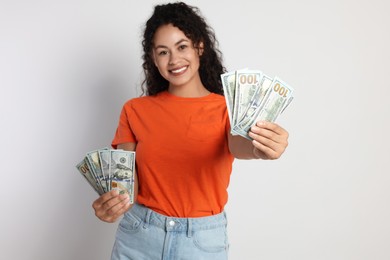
[200, 48]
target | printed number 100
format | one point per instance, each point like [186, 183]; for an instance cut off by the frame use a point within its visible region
[248, 79]
[281, 90]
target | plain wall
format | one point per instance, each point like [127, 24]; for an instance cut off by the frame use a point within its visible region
[67, 67]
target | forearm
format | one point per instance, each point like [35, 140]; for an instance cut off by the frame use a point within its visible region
[241, 148]
[269, 142]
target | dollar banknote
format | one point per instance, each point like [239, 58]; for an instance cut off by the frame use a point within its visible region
[248, 83]
[277, 99]
[122, 172]
[107, 169]
[247, 120]
[254, 97]
[229, 86]
[94, 162]
[84, 170]
[105, 159]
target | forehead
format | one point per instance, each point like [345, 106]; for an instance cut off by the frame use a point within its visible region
[168, 35]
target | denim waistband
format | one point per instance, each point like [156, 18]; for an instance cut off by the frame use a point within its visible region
[171, 224]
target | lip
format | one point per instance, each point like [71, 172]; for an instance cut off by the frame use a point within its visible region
[178, 71]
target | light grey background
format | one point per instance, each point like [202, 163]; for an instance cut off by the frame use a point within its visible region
[67, 66]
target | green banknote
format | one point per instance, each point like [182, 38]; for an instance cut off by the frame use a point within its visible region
[279, 96]
[122, 165]
[248, 83]
[252, 96]
[256, 104]
[106, 169]
[84, 170]
[94, 162]
[229, 86]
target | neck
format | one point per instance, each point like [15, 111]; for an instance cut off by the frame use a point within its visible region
[183, 91]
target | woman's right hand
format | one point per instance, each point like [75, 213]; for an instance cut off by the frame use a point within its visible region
[111, 205]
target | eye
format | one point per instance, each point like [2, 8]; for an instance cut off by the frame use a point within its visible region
[182, 47]
[162, 53]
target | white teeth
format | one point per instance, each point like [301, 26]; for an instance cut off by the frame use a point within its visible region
[179, 70]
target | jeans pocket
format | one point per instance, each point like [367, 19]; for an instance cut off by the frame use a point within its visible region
[211, 240]
[130, 223]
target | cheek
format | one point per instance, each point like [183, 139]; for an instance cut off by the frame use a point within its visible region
[155, 59]
[196, 61]
[160, 67]
[160, 71]
[160, 62]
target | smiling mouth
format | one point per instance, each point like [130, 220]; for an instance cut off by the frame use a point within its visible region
[179, 70]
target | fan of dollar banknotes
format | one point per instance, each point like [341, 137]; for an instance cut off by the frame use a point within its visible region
[106, 169]
[252, 96]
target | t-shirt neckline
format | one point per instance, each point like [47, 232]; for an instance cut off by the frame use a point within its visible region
[168, 95]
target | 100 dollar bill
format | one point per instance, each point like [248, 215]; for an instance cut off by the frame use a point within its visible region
[248, 83]
[84, 169]
[277, 97]
[107, 170]
[122, 173]
[252, 96]
[257, 102]
[229, 88]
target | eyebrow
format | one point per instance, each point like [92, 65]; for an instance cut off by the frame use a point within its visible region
[178, 43]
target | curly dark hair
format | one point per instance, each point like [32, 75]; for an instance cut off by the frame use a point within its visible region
[189, 20]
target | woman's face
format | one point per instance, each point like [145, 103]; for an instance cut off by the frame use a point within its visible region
[176, 58]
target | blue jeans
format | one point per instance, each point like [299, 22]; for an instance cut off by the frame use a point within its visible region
[146, 235]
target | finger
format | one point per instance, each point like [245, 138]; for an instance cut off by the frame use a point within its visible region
[271, 131]
[265, 152]
[264, 142]
[116, 204]
[271, 126]
[112, 214]
[263, 133]
[119, 212]
[272, 147]
[113, 201]
[104, 198]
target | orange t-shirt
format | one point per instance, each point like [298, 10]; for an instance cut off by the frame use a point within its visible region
[182, 155]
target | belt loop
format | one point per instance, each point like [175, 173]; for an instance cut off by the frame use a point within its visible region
[189, 227]
[147, 218]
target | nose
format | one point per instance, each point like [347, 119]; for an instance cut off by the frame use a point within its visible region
[173, 58]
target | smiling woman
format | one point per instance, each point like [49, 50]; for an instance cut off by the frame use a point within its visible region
[67, 67]
[177, 60]
[192, 28]
[184, 150]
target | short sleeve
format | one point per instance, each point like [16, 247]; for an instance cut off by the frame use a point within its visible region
[124, 133]
[227, 122]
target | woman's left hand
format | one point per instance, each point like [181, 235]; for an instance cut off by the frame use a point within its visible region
[269, 140]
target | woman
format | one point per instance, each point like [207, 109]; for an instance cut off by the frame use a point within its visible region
[184, 150]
